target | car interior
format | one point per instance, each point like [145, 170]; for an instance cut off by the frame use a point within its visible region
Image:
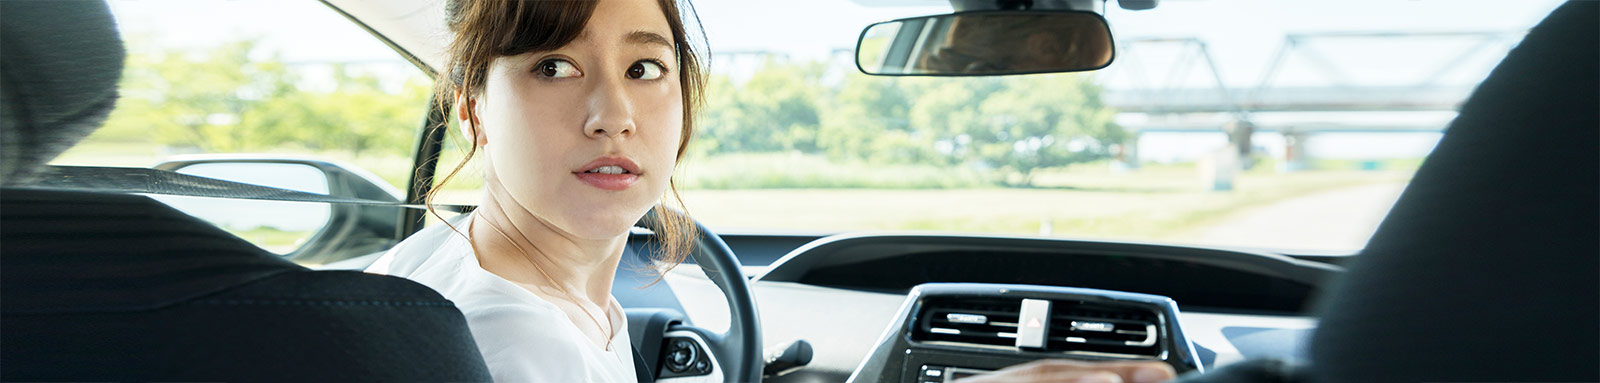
[1487, 268]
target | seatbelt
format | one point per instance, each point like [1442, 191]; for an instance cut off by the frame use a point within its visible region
[641, 370]
[163, 182]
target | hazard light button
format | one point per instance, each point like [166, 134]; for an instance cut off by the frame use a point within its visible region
[1033, 323]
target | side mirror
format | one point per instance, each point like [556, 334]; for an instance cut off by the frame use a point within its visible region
[308, 233]
[986, 43]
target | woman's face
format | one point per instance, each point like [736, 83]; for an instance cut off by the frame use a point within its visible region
[559, 126]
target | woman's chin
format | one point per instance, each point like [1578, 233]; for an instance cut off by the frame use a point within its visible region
[600, 216]
[601, 226]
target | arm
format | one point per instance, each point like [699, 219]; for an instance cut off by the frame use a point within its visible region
[1067, 370]
[1063, 370]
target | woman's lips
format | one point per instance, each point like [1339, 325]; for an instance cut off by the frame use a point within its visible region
[609, 173]
[613, 182]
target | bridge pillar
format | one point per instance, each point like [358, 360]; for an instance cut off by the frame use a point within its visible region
[1295, 157]
[1239, 133]
[1125, 155]
[1218, 168]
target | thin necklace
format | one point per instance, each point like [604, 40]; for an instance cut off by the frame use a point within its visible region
[605, 330]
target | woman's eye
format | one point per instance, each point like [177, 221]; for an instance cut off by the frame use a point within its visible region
[645, 70]
[556, 69]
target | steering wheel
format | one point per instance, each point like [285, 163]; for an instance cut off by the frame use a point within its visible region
[737, 351]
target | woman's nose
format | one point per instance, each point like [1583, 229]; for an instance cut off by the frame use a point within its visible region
[610, 111]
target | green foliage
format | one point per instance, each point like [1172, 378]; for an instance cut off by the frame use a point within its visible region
[1044, 122]
[776, 109]
[1013, 125]
[356, 115]
[231, 99]
[869, 121]
[799, 171]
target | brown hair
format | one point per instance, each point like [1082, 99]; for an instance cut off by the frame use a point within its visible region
[487, 29]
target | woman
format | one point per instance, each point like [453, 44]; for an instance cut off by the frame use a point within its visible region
[581, 110]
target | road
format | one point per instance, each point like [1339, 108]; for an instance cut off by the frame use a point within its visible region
[1341, 219]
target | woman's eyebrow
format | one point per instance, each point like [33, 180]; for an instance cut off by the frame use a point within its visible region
[648, 38]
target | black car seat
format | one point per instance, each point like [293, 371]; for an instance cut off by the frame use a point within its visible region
[1488, 266]
[1487, 269]
[118, 287]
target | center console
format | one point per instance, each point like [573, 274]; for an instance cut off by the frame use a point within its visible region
[945, 332]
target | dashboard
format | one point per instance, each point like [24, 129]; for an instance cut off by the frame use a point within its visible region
[1196, 277]
[859, 298]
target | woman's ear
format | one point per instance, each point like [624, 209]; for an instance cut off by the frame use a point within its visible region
[467, 118]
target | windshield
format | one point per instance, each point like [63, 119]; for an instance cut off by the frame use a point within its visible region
[1281, 125]
[1249, 123]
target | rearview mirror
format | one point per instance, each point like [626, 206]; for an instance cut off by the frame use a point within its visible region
[986, 43]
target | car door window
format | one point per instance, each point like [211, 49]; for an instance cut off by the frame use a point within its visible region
[235, 85]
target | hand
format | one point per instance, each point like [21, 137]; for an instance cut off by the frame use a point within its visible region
[1075, 371]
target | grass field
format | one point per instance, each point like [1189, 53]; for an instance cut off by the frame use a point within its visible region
[1156, 212]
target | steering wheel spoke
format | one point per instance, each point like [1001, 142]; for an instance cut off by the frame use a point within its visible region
[736, 353]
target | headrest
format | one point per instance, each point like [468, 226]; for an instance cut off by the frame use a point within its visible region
[58, 79]
[1484, 270]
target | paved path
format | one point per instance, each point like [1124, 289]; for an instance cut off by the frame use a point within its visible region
[1341, 219]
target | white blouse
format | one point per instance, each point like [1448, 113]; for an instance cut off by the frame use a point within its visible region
[523, 338]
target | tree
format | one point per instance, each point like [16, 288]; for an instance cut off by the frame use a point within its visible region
[1019, 124]
[357, 115]
[1045, 121]
[198, 99]
[946, 109]
[776, 109]
[717, 129]
[234, 98]
[1014, 124]
[867, 120]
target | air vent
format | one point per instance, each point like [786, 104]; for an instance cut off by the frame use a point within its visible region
[1075, 327]
[987, 322]
[1082, 327]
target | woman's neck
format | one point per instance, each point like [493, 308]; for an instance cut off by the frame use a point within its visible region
[521, 247]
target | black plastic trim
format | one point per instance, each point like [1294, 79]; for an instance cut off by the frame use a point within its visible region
[842, 261]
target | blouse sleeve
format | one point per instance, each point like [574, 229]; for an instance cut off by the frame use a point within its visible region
[517, 351]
